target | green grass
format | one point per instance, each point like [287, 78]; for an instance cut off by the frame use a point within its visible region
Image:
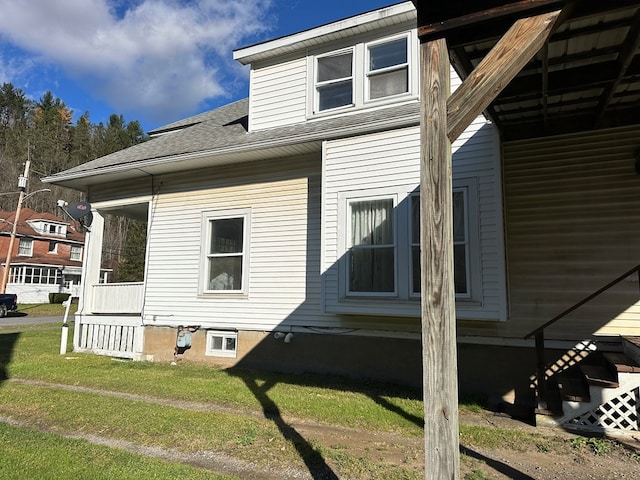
[28, 454]
[36, 356]
[191, 408]
[44, 309]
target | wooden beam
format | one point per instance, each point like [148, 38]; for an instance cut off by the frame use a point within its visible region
[445, 21]
[440, 377]
[514, 50]
[627, 53]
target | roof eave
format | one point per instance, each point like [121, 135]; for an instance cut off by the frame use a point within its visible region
[308, 38]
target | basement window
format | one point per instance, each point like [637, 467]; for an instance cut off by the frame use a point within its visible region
[222, 343]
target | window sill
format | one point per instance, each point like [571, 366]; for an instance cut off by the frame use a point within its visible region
[394, 100]
[222, 294]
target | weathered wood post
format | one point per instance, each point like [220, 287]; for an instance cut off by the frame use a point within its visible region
[440, 377]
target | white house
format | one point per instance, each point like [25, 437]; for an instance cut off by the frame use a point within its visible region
[284, 226]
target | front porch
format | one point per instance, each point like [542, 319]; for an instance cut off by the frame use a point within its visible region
[109, 316]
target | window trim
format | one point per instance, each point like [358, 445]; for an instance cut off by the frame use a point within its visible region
[472, 248]
[25, 241]
[402, 231]
[78, 257]
[225, 334]
[368, 73]
[317, 84]
[205, 240]
[349, 246]
[360, 82]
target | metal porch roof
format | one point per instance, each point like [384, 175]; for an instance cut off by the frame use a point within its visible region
[587, 76]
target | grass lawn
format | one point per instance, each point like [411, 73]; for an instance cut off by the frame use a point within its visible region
[44, 309]
[78, 416]
[29, 454]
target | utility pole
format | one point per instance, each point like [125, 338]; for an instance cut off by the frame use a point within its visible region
[22, 186]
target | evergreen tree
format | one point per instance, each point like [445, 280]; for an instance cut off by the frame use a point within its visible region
[131, 265]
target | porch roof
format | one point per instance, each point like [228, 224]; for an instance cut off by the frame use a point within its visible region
[586, 77]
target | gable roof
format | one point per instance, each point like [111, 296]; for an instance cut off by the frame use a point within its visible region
[26, 230]
[220, 137]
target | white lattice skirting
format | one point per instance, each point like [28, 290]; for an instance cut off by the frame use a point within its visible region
[618, 414]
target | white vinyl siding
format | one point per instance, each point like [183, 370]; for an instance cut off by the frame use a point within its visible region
[278, 94]
[572, 208]
[284, 282]
[391, 161]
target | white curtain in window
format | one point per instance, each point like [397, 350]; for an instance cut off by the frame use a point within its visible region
[371, 258]
[371, 223]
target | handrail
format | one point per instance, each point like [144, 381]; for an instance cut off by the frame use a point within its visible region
[582, 302]
[539, 335]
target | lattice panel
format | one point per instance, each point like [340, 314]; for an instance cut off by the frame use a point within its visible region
[619, 413]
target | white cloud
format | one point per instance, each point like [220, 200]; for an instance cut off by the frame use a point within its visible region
[161, 57]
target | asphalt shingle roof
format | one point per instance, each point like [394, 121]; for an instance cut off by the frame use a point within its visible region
[224, 130]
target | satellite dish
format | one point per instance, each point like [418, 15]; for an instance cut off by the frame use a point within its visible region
[81, 211]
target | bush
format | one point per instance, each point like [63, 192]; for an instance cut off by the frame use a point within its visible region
[58, 297]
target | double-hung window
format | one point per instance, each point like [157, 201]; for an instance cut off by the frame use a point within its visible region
[372, 250]
[334, 80]
[76, 253]
[225, 252]
[25, 247]
[387, 68]
[382, 245]
[367, 72]
[461, 244]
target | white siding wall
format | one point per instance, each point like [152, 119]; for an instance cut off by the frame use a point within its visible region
[391, 160]
[572, 207]
[284, 281]
[278, 94]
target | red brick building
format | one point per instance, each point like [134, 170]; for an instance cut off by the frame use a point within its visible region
[47, 255]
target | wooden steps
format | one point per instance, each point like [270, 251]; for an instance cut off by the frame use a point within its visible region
[599, 392]
[600, 370]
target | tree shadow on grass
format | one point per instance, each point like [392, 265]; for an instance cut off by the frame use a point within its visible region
[7, 346]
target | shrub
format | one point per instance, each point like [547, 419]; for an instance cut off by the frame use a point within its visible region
[58, 297]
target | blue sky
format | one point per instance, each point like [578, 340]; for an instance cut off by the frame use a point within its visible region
[155, 61]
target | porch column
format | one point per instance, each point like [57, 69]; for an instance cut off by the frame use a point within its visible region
[92, 262]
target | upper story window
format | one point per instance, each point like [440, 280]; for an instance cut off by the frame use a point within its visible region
[225, 245]
[76, 253]
[334, 80]
[367, 72]
[25, 247]
[53, 247]
[388, 68]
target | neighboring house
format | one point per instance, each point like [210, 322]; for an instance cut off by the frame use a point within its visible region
[46, 258]
[297, 210]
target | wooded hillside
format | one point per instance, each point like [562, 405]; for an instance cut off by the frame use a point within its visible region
[44, 131]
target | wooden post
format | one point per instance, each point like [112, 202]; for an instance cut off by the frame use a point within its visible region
[541, 368]
[14, 230]
[440, 377]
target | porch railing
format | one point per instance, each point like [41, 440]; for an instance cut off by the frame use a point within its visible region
[117, 298]
[538, 333]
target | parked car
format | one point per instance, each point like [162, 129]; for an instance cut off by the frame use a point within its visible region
[8, 303]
